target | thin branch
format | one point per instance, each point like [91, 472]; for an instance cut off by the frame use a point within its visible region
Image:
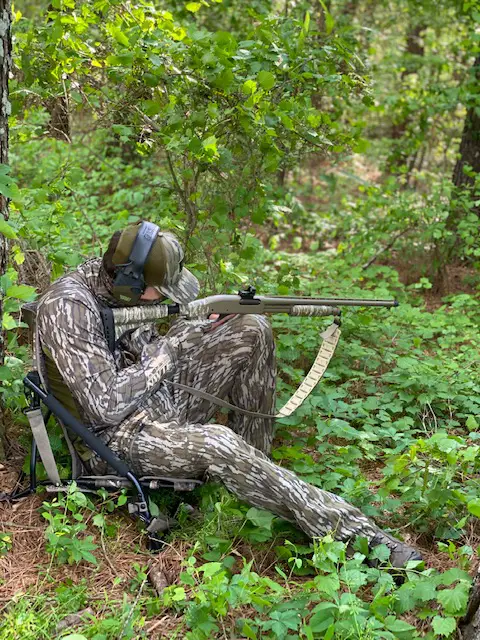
[190, 208]
[386, 248]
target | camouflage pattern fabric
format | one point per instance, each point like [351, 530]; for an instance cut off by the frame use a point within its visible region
[161, 430]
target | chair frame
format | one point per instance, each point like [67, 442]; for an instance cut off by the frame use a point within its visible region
[36, 397]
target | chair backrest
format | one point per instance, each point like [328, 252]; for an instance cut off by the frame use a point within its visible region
[49, 374]
[46, 367]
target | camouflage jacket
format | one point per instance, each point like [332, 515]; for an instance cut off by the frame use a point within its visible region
[108, 389]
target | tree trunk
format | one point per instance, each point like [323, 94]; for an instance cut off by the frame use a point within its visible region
[400, 155]
[349, 10]
[470, 624]
[319, 13]
[5, 66]
[470, 144]
[59, 125]
[469, 154]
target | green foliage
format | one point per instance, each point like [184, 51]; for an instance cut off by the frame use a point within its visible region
[65, 526]
[11, 371]
[34, 618]
[335, 602]
[307, 151]
[5, 543]
[217, 109]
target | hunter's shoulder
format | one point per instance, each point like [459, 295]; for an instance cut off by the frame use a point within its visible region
[70, 292]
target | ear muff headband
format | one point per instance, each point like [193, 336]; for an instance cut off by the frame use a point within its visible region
[129, 282]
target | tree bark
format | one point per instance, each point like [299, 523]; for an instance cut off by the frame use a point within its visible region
[59, 125]
[414, 47]
[469, 154]
[470, 624]
[5, 66]
[470, 144]
[57, 107]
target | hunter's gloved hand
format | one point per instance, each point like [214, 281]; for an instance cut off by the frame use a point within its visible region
[159, 358]
[132, 342]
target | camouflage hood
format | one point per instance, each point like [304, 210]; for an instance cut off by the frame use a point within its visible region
[92, 275]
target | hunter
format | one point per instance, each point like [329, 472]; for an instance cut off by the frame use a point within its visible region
[125, 397]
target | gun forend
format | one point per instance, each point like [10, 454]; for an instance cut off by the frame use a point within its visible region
[310, 310]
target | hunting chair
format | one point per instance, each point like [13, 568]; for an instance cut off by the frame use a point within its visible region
[75, 432]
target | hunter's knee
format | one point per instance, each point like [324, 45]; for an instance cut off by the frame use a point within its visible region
[222, 444]
[255, 329]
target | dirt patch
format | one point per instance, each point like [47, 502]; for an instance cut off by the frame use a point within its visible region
[27, 566]
[458, 278]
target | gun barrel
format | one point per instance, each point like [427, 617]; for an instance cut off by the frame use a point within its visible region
[275, 303]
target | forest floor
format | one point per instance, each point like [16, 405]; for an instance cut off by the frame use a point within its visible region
[123, 561]
[125, 579]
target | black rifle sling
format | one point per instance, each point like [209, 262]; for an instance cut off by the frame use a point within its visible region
[108, 327]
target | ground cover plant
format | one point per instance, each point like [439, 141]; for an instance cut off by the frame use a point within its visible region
[306, 149]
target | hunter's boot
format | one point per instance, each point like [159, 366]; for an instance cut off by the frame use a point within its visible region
[400, 552]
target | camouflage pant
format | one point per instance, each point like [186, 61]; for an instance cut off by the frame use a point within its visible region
[236, 361]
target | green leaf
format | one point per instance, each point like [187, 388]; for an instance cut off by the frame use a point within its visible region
[121, 60]
[322, 620]
[249, 87]
[452, 575]
[424, 590]
[398, 626]
[248, 632]
[306, 22]
[99, 520]
[8, 188]
[225, 79]
[154, 510]
[266, 79]
[21, 292]
[209, 569]
[474, 507]
[471, 423]
[260, 518]
[5, 373]
[455, 600]
[329, 583]
[329, 21]
[444, 626]
[9, 322]
[329, 635]
[6, 229]
[119, 36]
[286, 121]
[361, 146]
[381, 552]
[178, 594]
[193, 6]
[210, 146]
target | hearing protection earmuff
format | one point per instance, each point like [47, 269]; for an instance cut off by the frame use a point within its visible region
[129, 281]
